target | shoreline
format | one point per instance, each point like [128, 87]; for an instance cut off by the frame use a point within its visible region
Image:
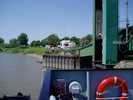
[39, 60]
[35, 56]
[30, 54]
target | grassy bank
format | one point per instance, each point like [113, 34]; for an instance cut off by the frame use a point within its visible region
[35, 50]
[26, 50]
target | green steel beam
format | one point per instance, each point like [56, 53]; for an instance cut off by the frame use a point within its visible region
[110, 31]
[94, 28]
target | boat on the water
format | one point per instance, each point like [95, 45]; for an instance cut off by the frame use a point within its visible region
[19, 96]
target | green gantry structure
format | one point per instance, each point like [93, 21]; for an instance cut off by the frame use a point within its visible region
[105, 29]
[106, 48]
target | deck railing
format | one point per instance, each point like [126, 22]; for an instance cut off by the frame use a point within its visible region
[61, 61]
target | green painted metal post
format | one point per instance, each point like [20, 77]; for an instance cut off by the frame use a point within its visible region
[94, 28]
[110, 31]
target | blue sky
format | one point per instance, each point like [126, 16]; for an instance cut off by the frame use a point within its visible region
[39, 18]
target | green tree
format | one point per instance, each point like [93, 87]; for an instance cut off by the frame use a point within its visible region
[6, 45]
[86, 40]
[44, 42]
[76, 40]
[14, 43]
[65, 38]
[23, 39]
[1, 42]
[35, 43]
[53, 40]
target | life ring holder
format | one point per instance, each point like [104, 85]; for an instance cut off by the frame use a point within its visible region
[112, 80]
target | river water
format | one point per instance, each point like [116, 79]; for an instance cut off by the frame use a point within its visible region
[20, 73]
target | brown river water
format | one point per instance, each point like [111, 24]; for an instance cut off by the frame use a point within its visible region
[20, 73]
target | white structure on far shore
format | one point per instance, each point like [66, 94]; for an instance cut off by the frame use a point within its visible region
[67, 44]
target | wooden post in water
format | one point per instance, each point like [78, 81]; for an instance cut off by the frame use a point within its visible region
[77, 62]
[49, 62]
[50, 58]
[59, 62]
[54, 61]
[63, 62]
[69, 62]
[60, 66]
[72, 63]
[46, 57]
[46, 62]
[56, 57]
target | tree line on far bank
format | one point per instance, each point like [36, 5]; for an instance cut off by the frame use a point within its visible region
[52, 39]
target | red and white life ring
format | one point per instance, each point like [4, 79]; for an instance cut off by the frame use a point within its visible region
[113, 80]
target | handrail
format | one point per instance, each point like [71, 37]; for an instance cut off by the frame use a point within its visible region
[79, 48]
[125, 42]
[130, 35]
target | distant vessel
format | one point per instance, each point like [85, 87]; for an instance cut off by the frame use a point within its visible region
[19, 96]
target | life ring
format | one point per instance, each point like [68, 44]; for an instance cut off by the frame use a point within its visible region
[113, 80]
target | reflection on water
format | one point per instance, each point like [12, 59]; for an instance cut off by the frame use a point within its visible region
[19, 73]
